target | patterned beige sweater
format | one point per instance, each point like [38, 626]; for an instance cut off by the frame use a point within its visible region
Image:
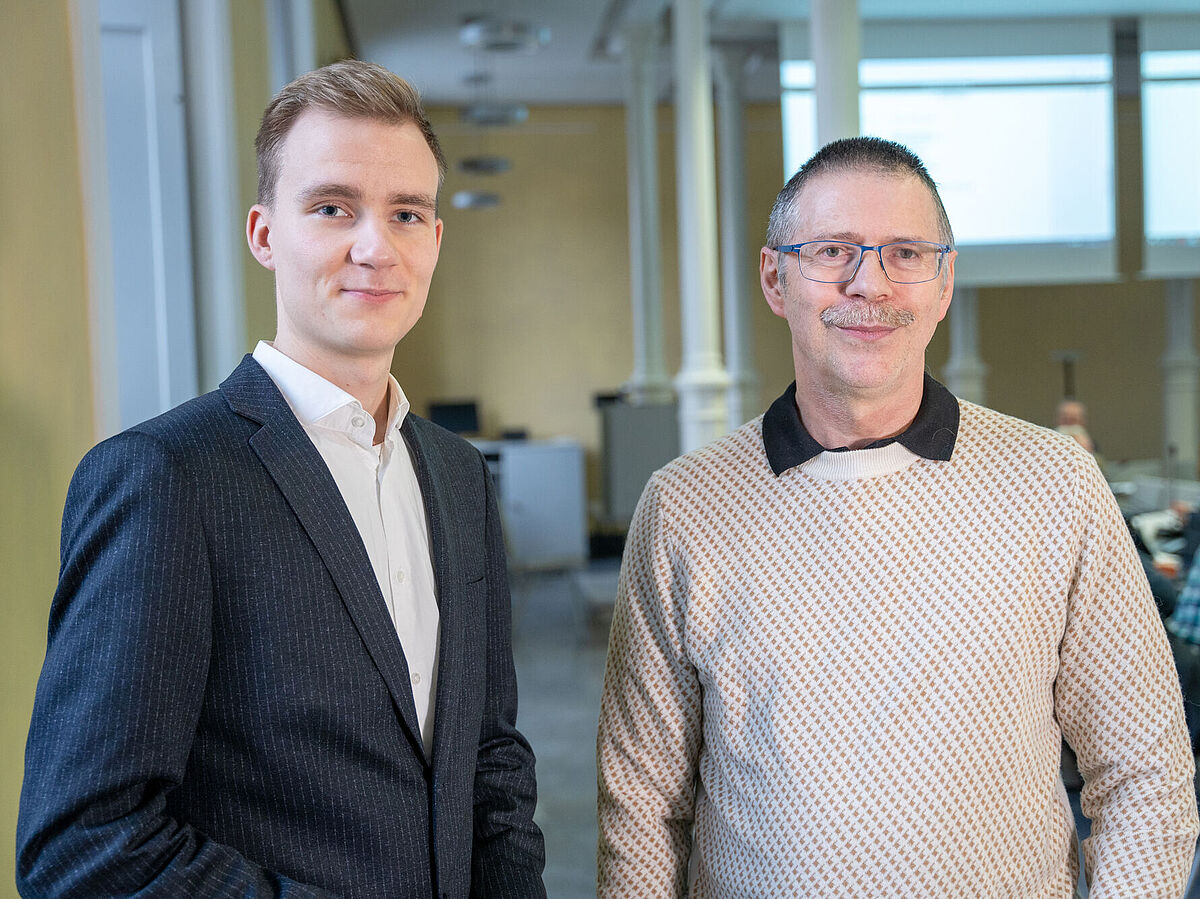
[853, 679]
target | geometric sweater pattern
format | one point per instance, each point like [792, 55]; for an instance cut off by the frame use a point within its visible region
[854, 679]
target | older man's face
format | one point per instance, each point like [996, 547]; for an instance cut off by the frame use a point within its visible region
[885, 355]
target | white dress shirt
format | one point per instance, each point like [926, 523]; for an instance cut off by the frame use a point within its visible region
[379, 486]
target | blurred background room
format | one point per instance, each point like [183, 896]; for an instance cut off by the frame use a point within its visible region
[596, 309]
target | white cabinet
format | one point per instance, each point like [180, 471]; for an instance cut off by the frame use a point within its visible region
[542, 503]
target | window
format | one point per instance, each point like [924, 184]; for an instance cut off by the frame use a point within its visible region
[1021, 148]
[1170, 135]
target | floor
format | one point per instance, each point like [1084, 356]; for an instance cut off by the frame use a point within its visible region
[560, 632]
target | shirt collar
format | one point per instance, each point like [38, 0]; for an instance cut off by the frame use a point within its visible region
[931, 435]
[316, 401]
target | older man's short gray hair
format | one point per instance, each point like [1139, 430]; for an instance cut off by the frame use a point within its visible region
[865, 154]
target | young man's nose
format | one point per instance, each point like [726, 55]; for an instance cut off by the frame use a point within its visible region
[374, 244]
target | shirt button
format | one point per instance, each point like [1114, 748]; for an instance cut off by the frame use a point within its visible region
[358, 421]
[399, 577]
[416, 678]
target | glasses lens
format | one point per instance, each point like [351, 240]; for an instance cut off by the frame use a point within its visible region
[912, 262]
[906, 262]
[829, 260]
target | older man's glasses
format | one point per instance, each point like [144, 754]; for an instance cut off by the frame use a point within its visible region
[837, 261]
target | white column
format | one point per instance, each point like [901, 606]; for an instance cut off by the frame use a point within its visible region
[1181, 381]
[836, 50]
[742, 397]
[702, 381]
[292, 33]
[304, 36]
[217, 246]
[649, 381]
[965, 372]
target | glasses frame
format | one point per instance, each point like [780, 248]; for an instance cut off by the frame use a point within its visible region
[942, 250]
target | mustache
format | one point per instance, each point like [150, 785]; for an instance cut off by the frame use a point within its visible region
[855, 315]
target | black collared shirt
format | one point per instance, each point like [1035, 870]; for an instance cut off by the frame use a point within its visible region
[931, 434]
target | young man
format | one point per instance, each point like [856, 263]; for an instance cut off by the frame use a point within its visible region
[851, 636]
[279, 659]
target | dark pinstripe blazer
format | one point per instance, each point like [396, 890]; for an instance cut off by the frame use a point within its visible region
[225, 708]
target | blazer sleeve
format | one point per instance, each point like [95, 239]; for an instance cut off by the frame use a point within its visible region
[120, 693]
[507, 847]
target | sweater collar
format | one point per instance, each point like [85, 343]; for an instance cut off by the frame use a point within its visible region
[931, 434]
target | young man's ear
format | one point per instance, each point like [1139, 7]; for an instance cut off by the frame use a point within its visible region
[258, 235]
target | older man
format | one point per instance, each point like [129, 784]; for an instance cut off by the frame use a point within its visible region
[851, 635]
[279, 659]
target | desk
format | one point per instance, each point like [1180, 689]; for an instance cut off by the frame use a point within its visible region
[540, 484]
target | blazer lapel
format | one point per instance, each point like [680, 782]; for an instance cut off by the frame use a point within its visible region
[302, 476]
[432, 479]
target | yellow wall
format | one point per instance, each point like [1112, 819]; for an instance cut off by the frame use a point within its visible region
[45, 377]
[1119, 328]
[529, 309]
[252, 74]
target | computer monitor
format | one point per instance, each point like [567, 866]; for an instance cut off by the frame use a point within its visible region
[459, 416]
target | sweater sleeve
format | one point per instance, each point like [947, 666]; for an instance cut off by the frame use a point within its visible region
[650, 719]
[1118, 700]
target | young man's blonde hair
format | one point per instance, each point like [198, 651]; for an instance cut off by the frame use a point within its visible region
[352, 88]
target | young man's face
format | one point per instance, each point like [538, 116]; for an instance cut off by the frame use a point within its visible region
[877, 360]
[352, 237]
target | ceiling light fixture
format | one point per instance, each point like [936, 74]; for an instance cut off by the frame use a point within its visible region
[484, 164]
[474, 199]
[483, 32]
[495, 113]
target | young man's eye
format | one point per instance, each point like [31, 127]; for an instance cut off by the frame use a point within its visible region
[329, 210]
[408, 217]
